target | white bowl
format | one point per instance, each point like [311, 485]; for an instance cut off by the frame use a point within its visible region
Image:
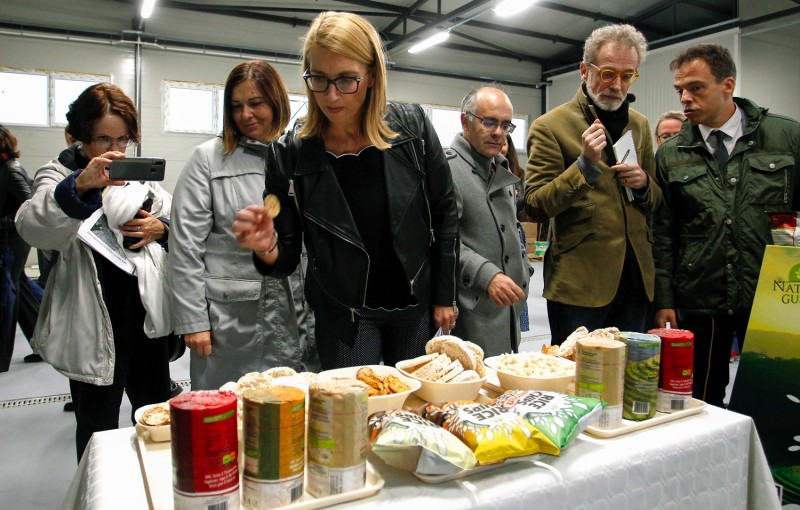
[512, 381]
[446, 392]
[157, 433]
[379, 402]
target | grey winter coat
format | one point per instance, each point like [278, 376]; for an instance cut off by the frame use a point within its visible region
[490, 244]
[253, 319]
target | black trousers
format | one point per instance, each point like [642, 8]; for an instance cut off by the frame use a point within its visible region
[141, 365]
[387, 335]
[20, 249]
[713, 338]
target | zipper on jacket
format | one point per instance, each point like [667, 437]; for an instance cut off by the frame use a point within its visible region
[363, 303]
[786, 185]
[431, 235]
[414, 278]
[292, 194]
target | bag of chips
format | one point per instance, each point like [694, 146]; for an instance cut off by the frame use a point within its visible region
[493, 433]
[560, 417]
[410, 442]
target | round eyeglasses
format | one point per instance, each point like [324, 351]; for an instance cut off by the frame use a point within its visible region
[320, 83]
[104, 142]
[607, 75]
[490, 123]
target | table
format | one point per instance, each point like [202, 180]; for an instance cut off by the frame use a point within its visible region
[711, 460]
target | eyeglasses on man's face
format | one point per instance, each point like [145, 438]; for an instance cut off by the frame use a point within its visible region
[490, 123]
[320, 83]
[105, 142]
[607, 75]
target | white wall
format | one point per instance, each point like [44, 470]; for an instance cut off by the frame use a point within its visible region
[770, 68]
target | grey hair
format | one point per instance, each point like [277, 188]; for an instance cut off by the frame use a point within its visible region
[468, 103]
[624, 35]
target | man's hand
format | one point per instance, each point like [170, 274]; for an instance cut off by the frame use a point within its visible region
[503, 291]
[630, 175]
[666, 315]
[199, 342]
[594, 141]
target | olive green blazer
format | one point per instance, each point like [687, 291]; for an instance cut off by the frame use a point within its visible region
[591, 224]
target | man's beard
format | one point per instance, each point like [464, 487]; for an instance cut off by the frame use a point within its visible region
[604, 104]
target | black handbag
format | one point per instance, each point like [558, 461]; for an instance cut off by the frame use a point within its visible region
[176, 346]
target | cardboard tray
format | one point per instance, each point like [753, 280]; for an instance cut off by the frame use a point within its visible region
[695, 406]
[155, 461]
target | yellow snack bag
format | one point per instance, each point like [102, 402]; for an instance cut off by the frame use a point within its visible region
[493, 433]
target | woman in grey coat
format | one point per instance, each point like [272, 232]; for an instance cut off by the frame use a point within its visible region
[234, 319]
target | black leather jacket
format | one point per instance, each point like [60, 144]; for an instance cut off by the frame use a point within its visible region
[15, 188]
[422, 216]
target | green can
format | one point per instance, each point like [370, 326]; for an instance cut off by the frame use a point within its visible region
[643, 355]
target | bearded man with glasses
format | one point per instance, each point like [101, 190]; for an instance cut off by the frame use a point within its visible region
[598, 270]
[493, 270]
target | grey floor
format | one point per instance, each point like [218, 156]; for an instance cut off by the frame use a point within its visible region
[37, 450]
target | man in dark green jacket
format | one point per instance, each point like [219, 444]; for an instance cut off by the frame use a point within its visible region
[731, 164]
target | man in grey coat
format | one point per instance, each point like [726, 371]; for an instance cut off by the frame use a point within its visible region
[493, 270]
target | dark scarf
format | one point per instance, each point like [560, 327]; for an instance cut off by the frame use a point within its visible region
[615, 121]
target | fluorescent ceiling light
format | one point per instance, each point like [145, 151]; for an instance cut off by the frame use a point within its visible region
[511, 7]
[147, 8]
[430, 41]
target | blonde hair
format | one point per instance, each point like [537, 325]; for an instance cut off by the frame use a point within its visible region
[353, 37]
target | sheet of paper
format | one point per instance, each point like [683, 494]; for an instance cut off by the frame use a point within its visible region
[625, 152]
[95, 232]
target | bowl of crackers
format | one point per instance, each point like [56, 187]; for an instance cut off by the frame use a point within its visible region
[153, 420]
[388, 388]
[533, 371]
[451, 369]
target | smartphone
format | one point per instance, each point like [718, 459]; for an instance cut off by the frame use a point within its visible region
[137, 169]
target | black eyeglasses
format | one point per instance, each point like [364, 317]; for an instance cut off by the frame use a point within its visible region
[320, 83]
[490, 123]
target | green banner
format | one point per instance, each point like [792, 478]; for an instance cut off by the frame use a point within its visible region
[767, 385]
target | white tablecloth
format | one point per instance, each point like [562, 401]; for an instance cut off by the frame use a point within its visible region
[712, 460]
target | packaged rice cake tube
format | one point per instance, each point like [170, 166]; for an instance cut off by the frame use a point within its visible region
[600, 373]
[204, 450]
[410, 442]
[338, 436]
[785, 228]
[642, 362]
[560, 417]
[274, 439]
[677, 369]
[493, 433]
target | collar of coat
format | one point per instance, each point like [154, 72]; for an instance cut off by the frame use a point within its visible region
[689, 135]
[481, 165]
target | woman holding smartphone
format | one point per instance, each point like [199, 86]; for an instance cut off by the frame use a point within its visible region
[91, 323]
[365, 183]
[234, 319]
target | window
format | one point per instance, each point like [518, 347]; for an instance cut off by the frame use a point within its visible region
[64, 90]
[40, 98]
[192, 107]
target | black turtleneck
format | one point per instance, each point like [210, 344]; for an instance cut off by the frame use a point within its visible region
[615, 121]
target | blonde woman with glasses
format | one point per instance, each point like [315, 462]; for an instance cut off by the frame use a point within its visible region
[365, 183]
